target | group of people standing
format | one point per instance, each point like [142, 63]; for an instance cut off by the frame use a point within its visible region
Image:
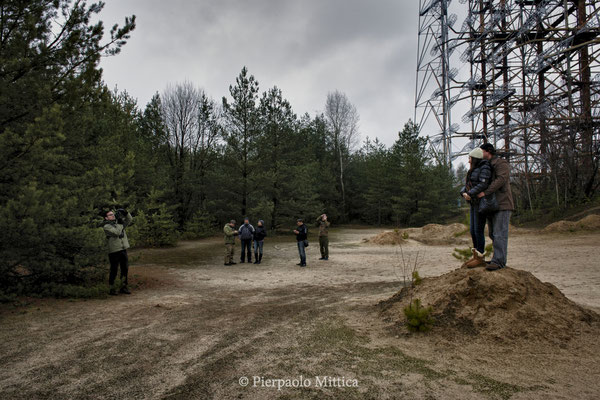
[487, 181]
[250, 237]
[254, 238]
[487, 190]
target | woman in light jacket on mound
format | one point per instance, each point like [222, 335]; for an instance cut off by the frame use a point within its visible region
[478, 179]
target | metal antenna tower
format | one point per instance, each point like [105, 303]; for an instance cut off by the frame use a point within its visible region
[434, 76]
[533, 87]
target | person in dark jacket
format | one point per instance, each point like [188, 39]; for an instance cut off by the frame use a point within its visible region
[259, 239]
[246, 234]
[301, 238]
[114, 225]
[498, 221]
[478, 179]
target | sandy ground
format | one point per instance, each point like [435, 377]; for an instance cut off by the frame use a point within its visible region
[195, 329]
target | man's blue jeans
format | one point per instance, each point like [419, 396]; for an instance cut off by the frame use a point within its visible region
[302, 252]
[246, 249]
[498, 231]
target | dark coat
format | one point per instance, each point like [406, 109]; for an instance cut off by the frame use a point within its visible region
[478, 179]
[260, 233]
[302, 233]
[501, 184]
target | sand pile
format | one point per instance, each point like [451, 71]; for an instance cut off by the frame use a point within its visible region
[431, 234]
[438, 234]
[387, 238]
[589, 223]
[507, 305]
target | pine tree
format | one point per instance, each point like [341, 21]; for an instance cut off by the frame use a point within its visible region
[47, 196]
[241, 128]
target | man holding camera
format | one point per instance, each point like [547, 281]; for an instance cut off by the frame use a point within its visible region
[323, 225]
[114, 226]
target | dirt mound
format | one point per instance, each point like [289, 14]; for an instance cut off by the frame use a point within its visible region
[591, 222]
[387, 238]
[507, 305]
[438, 234]
[431, 234]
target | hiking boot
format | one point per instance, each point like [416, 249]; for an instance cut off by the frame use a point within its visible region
[112, 292]
[477, 260]
[232, 263]
[227, 264]
[326, 259]
[299, 264]
[124, 290]
[492, 266]
[322, 258]
[260, 258]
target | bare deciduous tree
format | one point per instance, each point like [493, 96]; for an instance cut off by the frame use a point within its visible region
[342, 121]
[191, 121]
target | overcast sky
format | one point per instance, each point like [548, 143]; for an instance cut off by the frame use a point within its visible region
[366, 49]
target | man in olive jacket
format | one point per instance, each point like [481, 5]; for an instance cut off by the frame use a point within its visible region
[116, 237]
[498, 221]
[323, 225]
[230, 234]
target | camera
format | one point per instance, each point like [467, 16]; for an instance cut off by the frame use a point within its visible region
[120, 215]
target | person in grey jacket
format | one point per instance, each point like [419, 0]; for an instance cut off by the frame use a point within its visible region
[246, 234]
[114, 226]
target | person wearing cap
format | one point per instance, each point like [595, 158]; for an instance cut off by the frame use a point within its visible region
[259, 239]
[323, 226]
[246, 231]
[230, 234]
[498, 221]
[301, 232]
[477, 180]
[114, 225]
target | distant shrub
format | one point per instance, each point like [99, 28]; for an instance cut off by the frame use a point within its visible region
[405, 235]
[416, 278]
[200, 226]
[418, 318]
[153, 229]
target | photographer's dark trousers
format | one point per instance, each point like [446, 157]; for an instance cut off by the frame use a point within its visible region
[118, 258]
[246, 244]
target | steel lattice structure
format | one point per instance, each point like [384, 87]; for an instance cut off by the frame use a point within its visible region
[533, 82]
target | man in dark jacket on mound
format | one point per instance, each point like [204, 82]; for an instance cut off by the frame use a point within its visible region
[498, 221]
[246, 233]
[114, 226]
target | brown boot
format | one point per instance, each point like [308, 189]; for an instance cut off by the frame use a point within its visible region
[470, 259]
[478, 260]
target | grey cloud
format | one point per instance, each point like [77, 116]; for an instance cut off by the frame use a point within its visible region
[308, 48]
